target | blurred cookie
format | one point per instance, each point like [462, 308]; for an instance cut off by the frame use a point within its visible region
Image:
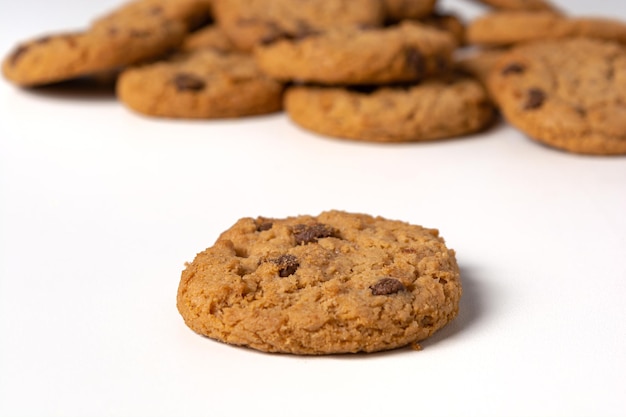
[432, 109]
[479, 63]
[250, 22]
[568, 94]
[118, 43]
[509, 28]
[447, 22]
[201, 84]
[405, 52]
[333, 283]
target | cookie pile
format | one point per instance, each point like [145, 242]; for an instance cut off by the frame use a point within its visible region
[371, 70]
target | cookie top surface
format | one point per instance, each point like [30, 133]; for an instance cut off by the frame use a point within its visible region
[250, 22]
[334, 283]
[63, 56]
[509, 28]
[200, 84]
[211, 36]
[405, 52]
[569, 94]
[432, 109]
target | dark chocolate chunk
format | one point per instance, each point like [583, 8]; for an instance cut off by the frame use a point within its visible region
[311, 233]
[288, 265]
[415, 61]
[261, 227]
[513, 68]
[535, 98]
[427, 321]
[188, 82]
[386, 286]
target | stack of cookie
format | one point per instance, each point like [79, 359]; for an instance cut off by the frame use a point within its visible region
[372, 70]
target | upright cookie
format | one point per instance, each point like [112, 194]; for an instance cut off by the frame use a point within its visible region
[118, 43]
[432, 109]
[334, 283]
[405, 52]
[201, 84]
[250, 22]
[509, 28]
[568, 94]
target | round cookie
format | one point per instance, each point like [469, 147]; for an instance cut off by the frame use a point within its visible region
[406, 52]
[433, 109]
[250, 22]
[333, 283]
[396, 10]
[202, 84]
[508, 28]
[569, 94]
[479, 62]
[64, 56]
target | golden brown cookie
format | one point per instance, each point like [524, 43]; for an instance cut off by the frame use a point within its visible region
[63, 56]
[201, 84]
[568, 94]
[333, 283]
[508, 28]
[432, 109]
[479, 62]
[250, 22]
[447, 22]
[405, 52]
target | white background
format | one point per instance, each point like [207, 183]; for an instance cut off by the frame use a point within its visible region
[100, 208]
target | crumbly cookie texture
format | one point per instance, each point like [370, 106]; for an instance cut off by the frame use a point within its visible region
[201, 84]
[509, 28]
[251, 22]
[568, 94]
[406, 52]
[333, 283]
[432, 109]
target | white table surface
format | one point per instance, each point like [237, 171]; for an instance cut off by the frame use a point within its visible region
[100, 208]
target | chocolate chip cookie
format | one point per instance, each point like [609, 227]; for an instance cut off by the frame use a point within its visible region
[509, 28]
[63, 56]
[250, 22]
[333, 283]
[397, 10]
[432, 109]
[542, 5]
[406, 52]
[568, 94]
[201, 84]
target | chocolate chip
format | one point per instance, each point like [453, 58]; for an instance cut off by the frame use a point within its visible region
[386, 286]
[155, 11]
[513, 68]
[415, 61]
[139, 33]
[427, 321]
[443, 281]
[288, 265]
[311, 233]
[188, 82]
[534, 99]
[264, 226]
